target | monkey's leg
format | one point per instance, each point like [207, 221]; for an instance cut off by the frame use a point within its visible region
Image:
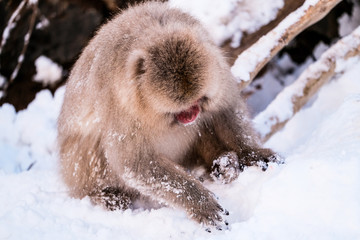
[162, 180]
[85, 170]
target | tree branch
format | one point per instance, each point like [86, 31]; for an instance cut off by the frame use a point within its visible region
[295, 96]
[10, 25]
[253, 59]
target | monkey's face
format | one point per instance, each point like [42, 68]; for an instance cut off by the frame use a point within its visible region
[180, 96]
[178, 77]
[173, 80]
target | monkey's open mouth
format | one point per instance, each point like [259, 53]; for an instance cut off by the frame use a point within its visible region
[189, 115]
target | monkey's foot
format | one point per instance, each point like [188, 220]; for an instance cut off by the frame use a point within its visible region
[225, 168]
[112, 198]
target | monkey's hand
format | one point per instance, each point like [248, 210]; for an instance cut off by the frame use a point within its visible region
[259, 157]
[207, 211]
[160, 179]
[225, 168]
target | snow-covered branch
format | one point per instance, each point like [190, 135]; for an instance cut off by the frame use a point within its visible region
[12, 24]
[295, 96]
[253, 59]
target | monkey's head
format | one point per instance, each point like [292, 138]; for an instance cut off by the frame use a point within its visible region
[177, 76]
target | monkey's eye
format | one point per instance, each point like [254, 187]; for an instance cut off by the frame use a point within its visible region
[140, 67]
[203, 102]
[204, 99]
[169, 115]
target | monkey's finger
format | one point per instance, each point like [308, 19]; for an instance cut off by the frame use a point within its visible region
[224, 225]
[221, 223]
[226, 212]
[276, 158]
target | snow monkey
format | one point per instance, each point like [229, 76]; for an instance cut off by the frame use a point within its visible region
[150, 98]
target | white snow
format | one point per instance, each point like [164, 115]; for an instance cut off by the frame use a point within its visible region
[230, 19]
[314, 195]
[47, 71]
[43, 23]
[29, 136]
[348, 23]
[32, 2]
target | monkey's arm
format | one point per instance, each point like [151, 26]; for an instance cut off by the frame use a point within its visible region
[164, 181]
[236, 132]
[230, 134]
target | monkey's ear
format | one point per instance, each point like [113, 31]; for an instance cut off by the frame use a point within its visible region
[136, 63]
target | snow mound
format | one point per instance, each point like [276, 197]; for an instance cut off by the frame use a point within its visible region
[27, 138]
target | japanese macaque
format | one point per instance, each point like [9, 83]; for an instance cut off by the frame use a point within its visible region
[150, 98]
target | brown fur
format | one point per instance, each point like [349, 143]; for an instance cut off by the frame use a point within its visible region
[119, 140]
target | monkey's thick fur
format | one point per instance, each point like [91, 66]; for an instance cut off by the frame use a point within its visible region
[150, 97]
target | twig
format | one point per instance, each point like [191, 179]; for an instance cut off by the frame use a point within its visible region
[11, 24]
[26, 43]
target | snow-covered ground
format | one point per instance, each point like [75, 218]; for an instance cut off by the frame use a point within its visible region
[314, 195]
